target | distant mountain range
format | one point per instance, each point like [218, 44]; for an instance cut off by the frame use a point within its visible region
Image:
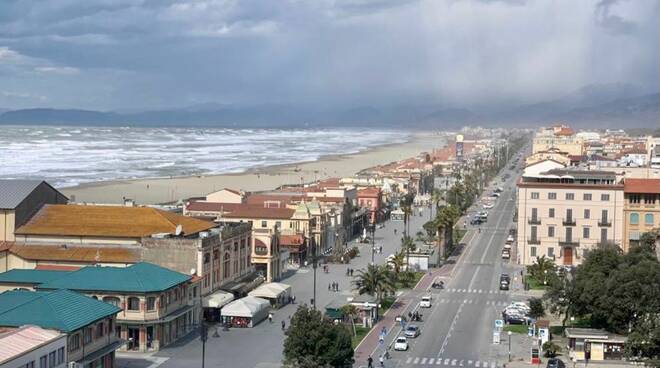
[609, 105]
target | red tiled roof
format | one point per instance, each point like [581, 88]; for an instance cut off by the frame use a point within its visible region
[369, 192]
[56, 267]
[5, 245]
[647, 186]
[253, 212]
[76, 254]
[296, 239]
[204, 206]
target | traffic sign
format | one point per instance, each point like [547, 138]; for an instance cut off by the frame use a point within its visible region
[499, 323]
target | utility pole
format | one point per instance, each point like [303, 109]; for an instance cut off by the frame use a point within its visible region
[314, 266]
[203, 335]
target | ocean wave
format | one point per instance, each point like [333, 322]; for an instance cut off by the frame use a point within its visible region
[67, 156]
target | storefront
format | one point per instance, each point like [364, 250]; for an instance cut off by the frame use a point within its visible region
[587, 344]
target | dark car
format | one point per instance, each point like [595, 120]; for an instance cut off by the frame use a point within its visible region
[555, 363]
[516, 320]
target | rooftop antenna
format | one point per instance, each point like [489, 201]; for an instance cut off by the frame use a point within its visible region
[178, 230]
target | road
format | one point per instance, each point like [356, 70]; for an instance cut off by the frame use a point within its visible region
[458, 329]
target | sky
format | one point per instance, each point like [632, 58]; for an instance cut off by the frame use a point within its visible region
[155, 54]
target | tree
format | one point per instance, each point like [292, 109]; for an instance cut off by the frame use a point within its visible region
[536, 308]
[542, 268]
[397, 262]
[313, 340]
[550, 349]
[375, 280]
[407, 245]
[350, 311]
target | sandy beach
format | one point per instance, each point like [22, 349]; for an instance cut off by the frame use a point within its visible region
[163, 190]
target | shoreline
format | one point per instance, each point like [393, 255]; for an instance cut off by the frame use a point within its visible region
[166, 190]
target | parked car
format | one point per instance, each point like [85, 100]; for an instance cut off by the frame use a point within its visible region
[555, 363]
[514, 319]
[509, 239]
[401, 344]
[488, 206]
[425, 302]
[476, 220]
[412, 331]
[504, 285]
[506, 254]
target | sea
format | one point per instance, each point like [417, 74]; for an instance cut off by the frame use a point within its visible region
[68, 156]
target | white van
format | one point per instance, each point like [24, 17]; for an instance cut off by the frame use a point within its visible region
[425, 302]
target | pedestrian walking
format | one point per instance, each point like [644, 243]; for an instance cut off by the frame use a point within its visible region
[352, 272]
[329, 287]
[370, 362]
[270, 317]
[283, 326]
[382, 361]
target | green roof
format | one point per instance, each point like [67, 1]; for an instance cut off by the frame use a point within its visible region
[139, 278]
[17, 276]
[62, 310]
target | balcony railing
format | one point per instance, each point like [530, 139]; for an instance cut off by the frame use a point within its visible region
[568, 222]
[534, 221]
[569, 243]
[604, 223]
[533, 241]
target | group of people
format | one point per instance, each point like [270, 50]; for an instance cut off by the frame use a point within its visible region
[349, 272]
[333, 286]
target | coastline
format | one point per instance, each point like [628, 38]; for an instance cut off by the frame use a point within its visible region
[164, 190]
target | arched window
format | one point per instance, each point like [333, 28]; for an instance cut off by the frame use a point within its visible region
[112, 300]
[133, 304]
[648, 219]
[634, 218]
[227, 265]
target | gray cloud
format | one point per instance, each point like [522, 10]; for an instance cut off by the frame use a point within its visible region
[109, 54]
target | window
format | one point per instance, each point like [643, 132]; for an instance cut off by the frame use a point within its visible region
[551, 213]
[151, 303]
[603, 235]
[634, 218]
[569, 214]
[30, 364]
[534, 214]
[133, 304]
[52, 358]
[551, 231]
[60, 355]
[649, 198]
[87, 335]
[99, 330]
[586, 197]
[264, 223]
[278, 224]
[587, 214]
[635, 198]
[570, 196]
[74, 342]
[569, 234]
[533, 234]
[552, 195]
[43, 361]
[551, 252]
[227, 265]
[604, 197]
[112, 300]
[585, 232]
[603, 216]
[648, 219]
[535, 195]
[532, 251]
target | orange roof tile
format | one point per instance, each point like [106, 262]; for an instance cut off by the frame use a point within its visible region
[647, 186]
[254, 212]
[5, 245]
[108, 221]
[56, 267]
[296, 239]
[76, 254]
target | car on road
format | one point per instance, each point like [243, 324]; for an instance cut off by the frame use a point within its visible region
[509, 239]
[488, 205]
[425, 302]
[555, 363]
[401, 344]
[506, 254]
[411, 331]
[476, 220]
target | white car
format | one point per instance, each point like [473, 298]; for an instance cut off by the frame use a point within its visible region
[488, 206]
[401, 344]
[520, 305]
[425, 302]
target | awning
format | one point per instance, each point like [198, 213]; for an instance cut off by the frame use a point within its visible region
[272, 290]
[246, 307]
[217, 299]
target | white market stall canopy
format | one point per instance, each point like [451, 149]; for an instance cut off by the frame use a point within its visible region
[273, 290]
[250, 307]
[217, 299]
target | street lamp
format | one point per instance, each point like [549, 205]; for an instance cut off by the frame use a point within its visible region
[509, 333]
[572, 321]
[545, 277]
[203, 335]
[373, 241]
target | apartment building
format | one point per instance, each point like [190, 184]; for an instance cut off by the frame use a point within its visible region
[564, 213]
[559, 137]
[31, 347]
[641, 210]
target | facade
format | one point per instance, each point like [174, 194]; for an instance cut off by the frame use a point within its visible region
[560, 138]
[372, 199]
[89, 324]
[641, 210]
[564, 213]
[30, 346]
[20, 199]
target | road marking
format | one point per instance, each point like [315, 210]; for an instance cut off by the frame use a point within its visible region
[477, 363]
[408, 360]
[453, 362]
[461, 363]
[446, 361]
[431, 360]
[490, 291]
[493, 365]
[423, 361]
[438, 362]
[416, 360]
[469, 362]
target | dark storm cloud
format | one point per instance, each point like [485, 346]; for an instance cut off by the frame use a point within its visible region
[130, 53]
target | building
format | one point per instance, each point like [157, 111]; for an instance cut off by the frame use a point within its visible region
[562, 213]
[89, 324]
[20, 199]
[593, 345]
[371, 198]
[558, 137]
[32, 346]
[157, 307]
[641, 209]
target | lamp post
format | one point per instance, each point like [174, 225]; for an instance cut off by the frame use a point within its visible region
[509, 333]
[572, 321]
[203, 335]
[373, 241]
[545, 277]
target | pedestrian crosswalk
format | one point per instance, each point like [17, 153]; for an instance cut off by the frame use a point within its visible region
[449, 362]
[471, 301]
[476, 291]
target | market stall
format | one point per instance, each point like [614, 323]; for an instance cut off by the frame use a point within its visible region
[276, 293]
[213, 303]
[245, 312]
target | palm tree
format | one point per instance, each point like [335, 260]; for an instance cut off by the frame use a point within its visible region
[541, 268]
[447, 217]
[407, 245]
[350, 311]
[407, 211]
[397, 262]
[375, 280]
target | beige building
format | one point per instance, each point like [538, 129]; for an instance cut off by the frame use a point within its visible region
[560, 138]
[564, 213]
[641, 209]
[20, 199]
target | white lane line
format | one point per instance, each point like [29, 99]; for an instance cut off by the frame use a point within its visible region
[493, 365]
[461, 363]
[408, 360]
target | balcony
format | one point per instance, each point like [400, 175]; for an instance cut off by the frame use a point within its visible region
[534, 221]
[605, 223]
[569, 243]
[568, 222]
[534, 241]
